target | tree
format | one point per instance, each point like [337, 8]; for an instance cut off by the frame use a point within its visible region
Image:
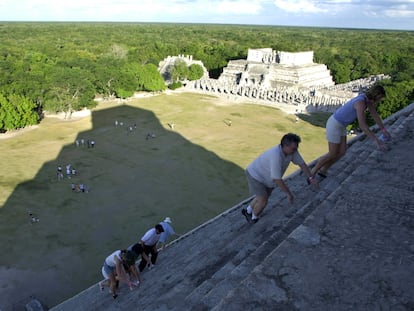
[150, 79]
[125, 83]
[106, 74]
[180, 70]
[16, 112]
[399, 95]
[70, 91]
[195, 72]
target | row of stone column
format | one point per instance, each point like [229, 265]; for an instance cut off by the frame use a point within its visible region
[275, 95]
[315, 99]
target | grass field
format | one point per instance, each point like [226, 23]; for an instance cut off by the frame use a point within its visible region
[190, 173]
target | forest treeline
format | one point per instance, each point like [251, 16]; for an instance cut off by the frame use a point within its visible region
[63, 66]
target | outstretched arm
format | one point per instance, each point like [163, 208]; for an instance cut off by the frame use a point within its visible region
[120, 271]
[378, 120]
[136, 273]
[281, 184]
[360, 108]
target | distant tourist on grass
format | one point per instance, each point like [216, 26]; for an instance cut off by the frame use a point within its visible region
[149, 243]
[266, 172]
[82, 187]
[59, 172]
[68, 170]
[32, 218]
[150, 135]
[114, 272]
[168, 231]
[336, 125]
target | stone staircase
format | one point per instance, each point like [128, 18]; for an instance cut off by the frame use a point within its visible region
[299, 256]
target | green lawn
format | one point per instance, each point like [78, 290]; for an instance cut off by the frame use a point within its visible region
[191, 174]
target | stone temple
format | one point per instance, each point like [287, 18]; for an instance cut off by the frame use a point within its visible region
[270, 69]
[291, 81]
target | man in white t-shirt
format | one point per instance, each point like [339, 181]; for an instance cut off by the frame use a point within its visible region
[149, 243]
[266, 172]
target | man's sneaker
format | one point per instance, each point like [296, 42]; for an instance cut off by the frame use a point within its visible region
[247, 215]
[253, 221]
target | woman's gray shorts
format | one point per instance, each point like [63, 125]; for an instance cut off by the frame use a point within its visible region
[107, 268]
[334, 130]
[256, 187]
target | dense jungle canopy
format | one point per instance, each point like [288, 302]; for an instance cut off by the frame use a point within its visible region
[63, 66]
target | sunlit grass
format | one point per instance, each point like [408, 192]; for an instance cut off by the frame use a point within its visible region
[203, 120]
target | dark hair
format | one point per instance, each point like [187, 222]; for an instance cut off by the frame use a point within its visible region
[128, 257]
[159, 228]
[374, 91]
[289, 138]
[137, 249]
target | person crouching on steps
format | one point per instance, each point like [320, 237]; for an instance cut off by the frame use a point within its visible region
[266, 172]
[149, 242]
[114, 271]
[336, 125]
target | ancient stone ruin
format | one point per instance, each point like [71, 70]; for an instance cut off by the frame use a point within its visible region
[165, 66]
[270, 69]
[281, 78]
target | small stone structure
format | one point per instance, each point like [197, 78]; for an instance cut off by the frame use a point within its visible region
[165, 66]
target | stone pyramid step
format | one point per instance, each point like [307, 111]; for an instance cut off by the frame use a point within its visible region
[230, 274]
[359, 155]
[236, 297]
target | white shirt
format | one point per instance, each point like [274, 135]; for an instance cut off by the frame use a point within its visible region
[110, 260]
[150, 237]
[272, 164]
